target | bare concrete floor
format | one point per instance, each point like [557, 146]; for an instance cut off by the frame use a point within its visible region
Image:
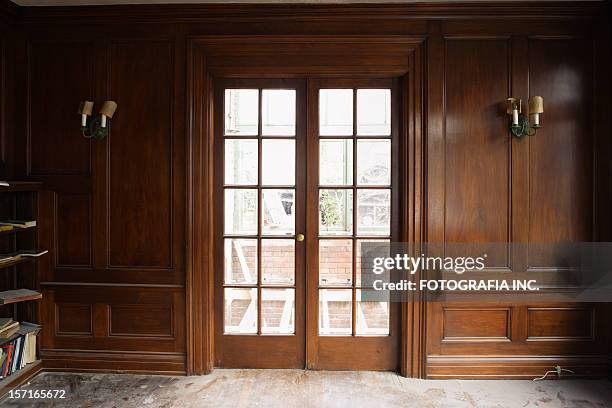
[298, 388]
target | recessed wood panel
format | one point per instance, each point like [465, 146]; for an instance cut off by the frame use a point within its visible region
[141, 320]
[477, 147]
[73, 319]
[73, 222]
[61, 76]
[140, 158]
[130, 319]
[560, 323]
[476, 323]
[560, 154]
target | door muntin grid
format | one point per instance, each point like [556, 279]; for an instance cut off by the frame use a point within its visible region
[354, 186]
[259, 211]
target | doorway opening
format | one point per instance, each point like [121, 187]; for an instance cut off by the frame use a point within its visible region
[305, 173]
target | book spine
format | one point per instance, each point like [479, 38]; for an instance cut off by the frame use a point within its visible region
[7, 362]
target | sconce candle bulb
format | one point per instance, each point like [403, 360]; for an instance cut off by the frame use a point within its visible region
[514, 108]
[107, 111]
[85, 110]
[536, 107]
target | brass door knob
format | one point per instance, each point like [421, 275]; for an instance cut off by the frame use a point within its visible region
[300, 237]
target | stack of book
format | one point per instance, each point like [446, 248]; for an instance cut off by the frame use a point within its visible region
[9, 225]
[17, 345]
[16, 256]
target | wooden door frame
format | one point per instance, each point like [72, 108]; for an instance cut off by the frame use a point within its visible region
[295, 55]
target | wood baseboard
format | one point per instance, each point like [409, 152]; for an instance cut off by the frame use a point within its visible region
[512, 367]
[114, 362]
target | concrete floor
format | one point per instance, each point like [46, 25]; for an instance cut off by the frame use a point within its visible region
[298, 388]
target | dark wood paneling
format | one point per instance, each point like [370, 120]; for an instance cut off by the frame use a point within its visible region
[477, 146]
[120, 226]
[561, 154]
[141, 155]
[567, 323]
[140, 320]
[536, 189]
[142, 204]
[146, 319]
[73, 222]
[73, 319]
[60, 77]
[463, 324]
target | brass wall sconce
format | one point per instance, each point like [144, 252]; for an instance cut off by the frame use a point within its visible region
[96, 127]
[519, 124]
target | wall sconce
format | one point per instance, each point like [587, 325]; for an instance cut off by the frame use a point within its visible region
[97, 127]
[519, 125]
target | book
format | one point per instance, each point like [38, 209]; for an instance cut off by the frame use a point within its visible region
[19, 223]
[7, 329]
[19, 350]
[31, 350]
[10, 334]
[4, 322]
[18, 295]
[8, 349]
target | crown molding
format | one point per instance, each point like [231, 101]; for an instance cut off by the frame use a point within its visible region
[192, 13]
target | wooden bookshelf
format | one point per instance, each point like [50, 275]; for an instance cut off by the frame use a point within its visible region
[19, 377]
[19, 280]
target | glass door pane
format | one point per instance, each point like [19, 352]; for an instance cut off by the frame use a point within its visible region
[259, 200]
[354, 127]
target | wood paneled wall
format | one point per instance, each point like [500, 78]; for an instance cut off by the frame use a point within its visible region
[115, 213]
[115, 218]
[484, 186]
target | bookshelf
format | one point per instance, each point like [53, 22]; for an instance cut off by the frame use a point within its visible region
[19, 282]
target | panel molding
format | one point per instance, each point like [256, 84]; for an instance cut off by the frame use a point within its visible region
[30, 168]
[58, 320]
[88, 222]
[116, 307]
[112, 68]
[503, 134]
[506, 337]
[576, 206]
[591, 323]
